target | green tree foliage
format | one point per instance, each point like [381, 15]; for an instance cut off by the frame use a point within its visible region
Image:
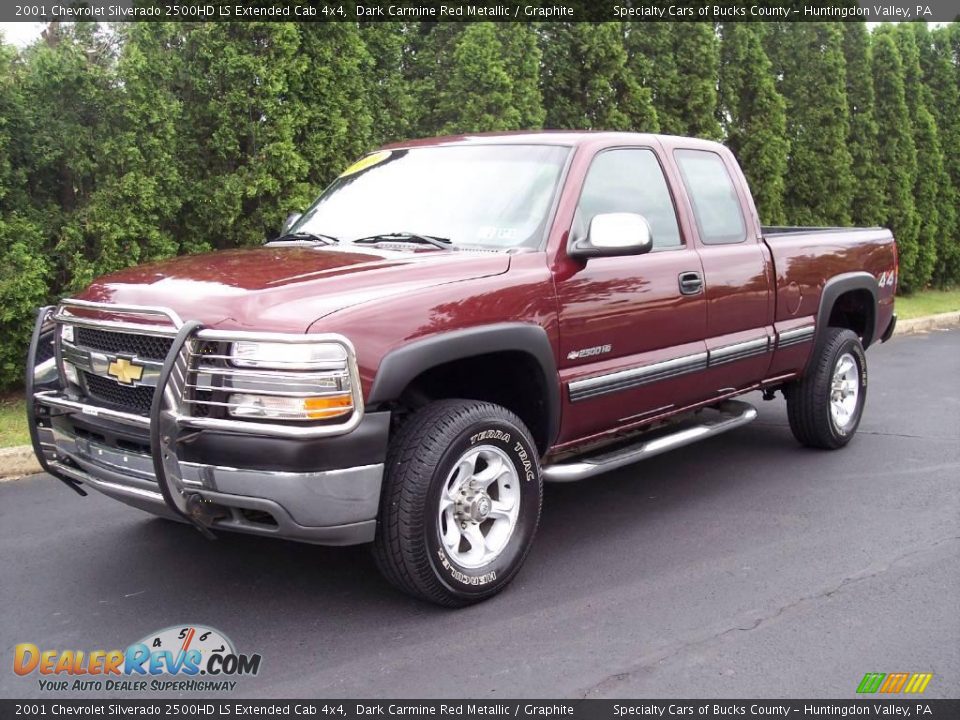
[862, 140]
[679, 64]
[820, 188]
[897, 154]
[240, 125]
[331, 94]
[127, 143]
[476, 91]
[23, 287]
[130, 213]
[930, 176]
[586, 82]
[753, 117]
[690, 104]
[649, 62]
[70, 82]
[940, 77]
[23, 266]
[475, 77]
[522, 59]
[389, 98]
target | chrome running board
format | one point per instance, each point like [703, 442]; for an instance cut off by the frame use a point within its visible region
[732, 414]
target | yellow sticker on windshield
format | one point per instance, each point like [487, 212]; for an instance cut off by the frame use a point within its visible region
[366, 162]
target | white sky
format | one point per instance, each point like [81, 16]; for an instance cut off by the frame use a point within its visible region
[21, 34]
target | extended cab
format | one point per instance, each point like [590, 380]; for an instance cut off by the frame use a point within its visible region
[451, 323]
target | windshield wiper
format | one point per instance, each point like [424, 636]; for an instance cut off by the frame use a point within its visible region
[307, 237]
[438, 242]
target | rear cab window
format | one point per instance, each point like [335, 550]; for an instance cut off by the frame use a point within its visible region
[713, 195]
[630, 180]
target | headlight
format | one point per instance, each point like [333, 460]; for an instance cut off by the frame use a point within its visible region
[312, 381]
[276, 407]
[66, 333]
[288, 356]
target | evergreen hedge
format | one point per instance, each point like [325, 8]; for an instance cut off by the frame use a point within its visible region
[125, 143]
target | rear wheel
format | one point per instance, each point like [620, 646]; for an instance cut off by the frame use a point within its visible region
[824, 408]
[461, 502]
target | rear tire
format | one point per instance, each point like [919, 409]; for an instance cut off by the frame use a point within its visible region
[460, 503]
[824, 408]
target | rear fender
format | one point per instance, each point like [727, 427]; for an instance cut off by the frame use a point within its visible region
[837, 286]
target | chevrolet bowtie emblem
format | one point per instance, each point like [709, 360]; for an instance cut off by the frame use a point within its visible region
[125, 371]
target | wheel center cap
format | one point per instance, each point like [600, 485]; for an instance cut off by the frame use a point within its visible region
[474, 506]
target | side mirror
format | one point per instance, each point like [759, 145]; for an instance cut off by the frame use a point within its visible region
[290, 222]
[613, 235]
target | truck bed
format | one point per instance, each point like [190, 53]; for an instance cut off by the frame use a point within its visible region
[804, 256]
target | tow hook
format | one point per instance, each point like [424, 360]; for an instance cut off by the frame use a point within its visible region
[204, 513]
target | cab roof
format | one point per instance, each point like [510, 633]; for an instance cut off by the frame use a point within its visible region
[566, 138]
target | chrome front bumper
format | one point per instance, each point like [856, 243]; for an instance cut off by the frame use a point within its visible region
[321, 507]
[334, 506]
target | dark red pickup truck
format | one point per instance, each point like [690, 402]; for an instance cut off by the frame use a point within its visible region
[451, 323]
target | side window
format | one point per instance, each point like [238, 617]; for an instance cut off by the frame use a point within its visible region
[716, 204]
[630, 180]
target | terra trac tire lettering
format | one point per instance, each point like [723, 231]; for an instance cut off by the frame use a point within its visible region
[461, 502]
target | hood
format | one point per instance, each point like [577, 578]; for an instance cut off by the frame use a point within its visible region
[286, 289]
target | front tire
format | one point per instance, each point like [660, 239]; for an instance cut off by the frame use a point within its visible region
[460, 503]
[825, 407]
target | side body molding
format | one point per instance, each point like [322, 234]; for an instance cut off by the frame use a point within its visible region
[837, 286]
[399, 367]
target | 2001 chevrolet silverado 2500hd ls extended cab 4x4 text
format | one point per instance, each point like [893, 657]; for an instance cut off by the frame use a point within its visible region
[451, 323]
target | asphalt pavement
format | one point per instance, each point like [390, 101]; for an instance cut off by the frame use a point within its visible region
[745, 566]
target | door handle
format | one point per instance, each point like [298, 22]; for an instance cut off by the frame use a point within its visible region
[690, 283]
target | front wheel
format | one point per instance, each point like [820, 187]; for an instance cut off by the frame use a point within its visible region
[824, 408]
[460, 504]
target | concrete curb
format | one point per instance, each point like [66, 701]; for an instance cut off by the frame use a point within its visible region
[18, 462]
[927, 323]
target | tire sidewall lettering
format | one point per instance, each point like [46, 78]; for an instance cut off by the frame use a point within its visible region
[512, 441]
[860, 356]
[862, 361]
[464, 578]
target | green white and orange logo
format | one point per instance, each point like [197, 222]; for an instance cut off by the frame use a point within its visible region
[891, 683]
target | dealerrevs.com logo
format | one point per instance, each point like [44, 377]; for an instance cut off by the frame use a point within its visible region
[178, 658]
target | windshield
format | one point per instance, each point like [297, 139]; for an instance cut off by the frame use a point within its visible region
[495, 196]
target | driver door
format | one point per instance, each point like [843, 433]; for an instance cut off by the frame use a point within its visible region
[632, 328]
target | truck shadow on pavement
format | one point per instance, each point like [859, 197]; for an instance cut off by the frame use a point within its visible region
[618, 514]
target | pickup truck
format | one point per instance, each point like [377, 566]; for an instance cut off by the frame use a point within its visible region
[453, 322]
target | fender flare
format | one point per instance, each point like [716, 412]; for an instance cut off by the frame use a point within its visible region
[400, 366]
[837, 286]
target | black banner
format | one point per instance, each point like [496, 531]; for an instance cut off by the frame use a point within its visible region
[481, 10]
[484, 710]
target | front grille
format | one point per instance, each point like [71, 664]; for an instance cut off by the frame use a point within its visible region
[204, 396]
[135, 400]
[147, 347]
